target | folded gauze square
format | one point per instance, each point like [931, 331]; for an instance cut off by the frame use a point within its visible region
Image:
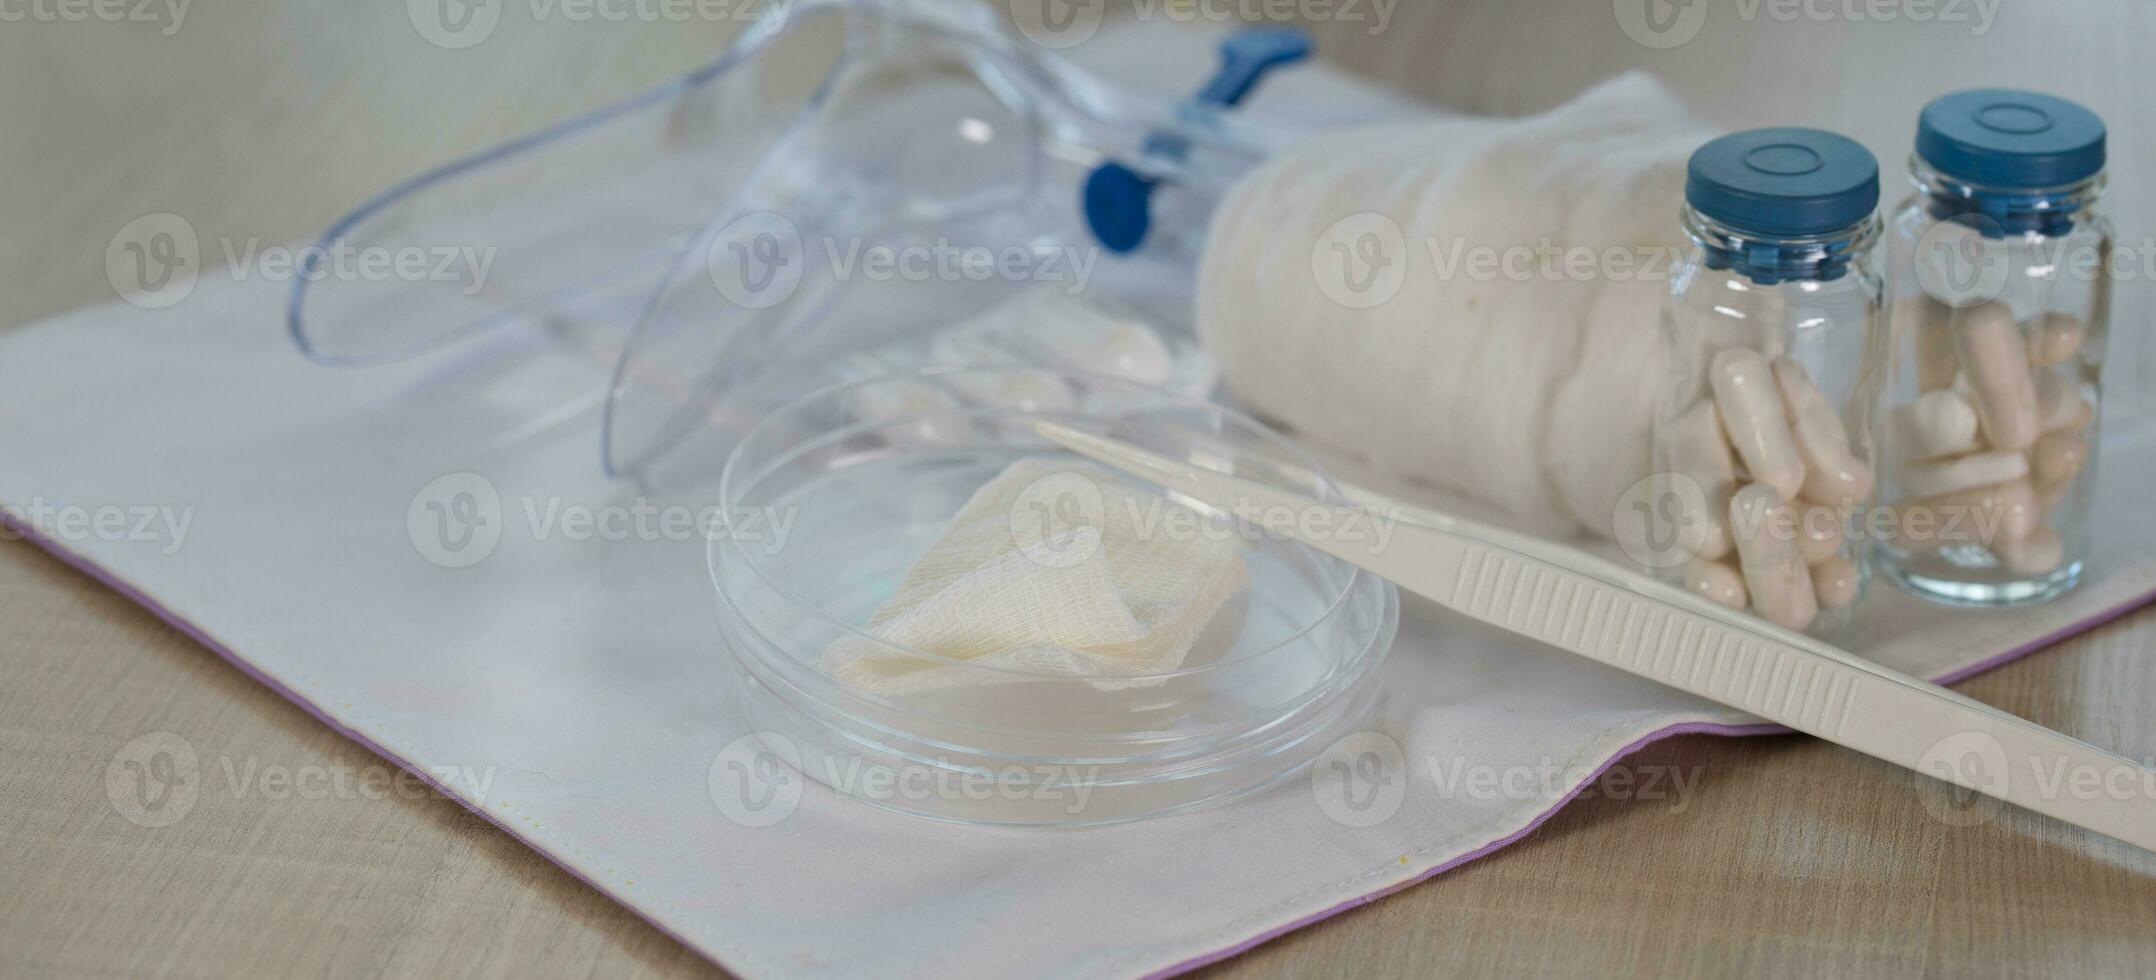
[1053, 567]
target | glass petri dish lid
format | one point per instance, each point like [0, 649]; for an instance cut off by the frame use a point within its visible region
[832, 499]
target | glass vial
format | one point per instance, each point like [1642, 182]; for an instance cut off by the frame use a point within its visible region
[2000, 265]
[1764, 444]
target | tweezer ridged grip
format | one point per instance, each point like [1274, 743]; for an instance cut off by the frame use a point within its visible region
[1578, 613]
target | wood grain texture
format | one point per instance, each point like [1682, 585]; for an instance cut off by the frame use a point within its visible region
[261, 121]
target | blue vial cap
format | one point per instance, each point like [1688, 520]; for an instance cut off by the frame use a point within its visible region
[1784, 181]
[1999, 137]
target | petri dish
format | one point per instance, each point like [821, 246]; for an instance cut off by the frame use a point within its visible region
[829, 502]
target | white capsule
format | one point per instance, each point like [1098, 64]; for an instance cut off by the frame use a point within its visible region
[919, 414]
[1938, 423]
[1997, 359]
[1775, 574]
[1928, 323]
[2057, 338]
[1962, 473]
[1129, 350]
[1698, 450]
[2060, 406]
[2057, 458]
[1834, 581]
[2041, 551]
[1022, 389]
[2003, 512]
[1752, 415]
[1819, 533]
[1832, 474]
[1717, 581]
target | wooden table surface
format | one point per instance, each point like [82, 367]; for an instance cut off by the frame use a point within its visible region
[259, 121]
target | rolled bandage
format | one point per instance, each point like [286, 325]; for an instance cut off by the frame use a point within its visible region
[1752, 415]
[1997, 361]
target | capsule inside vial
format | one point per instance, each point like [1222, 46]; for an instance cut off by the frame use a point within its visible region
[1819, 533]
[1716, 580]
[1774, 570]
[2057, 337]
[1997, 361]
[2002, 513]
[1834, 581]
[2057, 458]
[1751, 407]
[1698, 450]
[1930, 322]
[1962, 473]
[1938, 423]
[1832, 474]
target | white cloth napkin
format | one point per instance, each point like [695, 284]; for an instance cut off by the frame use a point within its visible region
[569, 688]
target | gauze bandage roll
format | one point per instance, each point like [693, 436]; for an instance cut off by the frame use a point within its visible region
[1053, 568]
[1468, 303]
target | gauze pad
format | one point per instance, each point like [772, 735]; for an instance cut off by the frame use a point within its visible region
[1054, 567]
